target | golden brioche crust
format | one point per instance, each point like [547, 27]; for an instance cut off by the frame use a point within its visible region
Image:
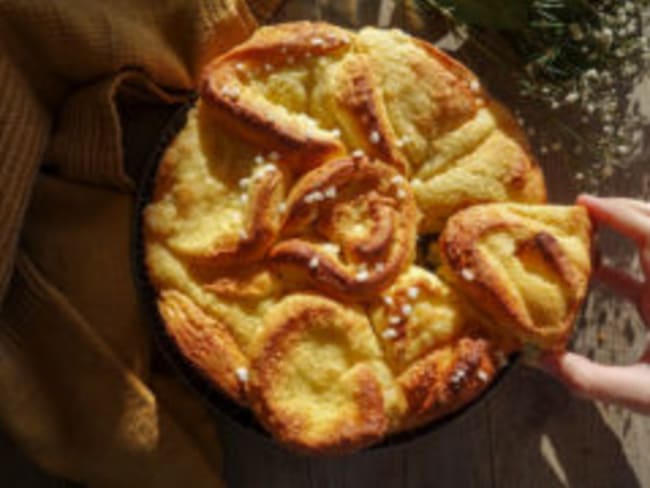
[370, 214]
[418, 313]
[527, 267]
[447, 379]
[429, 336]
[318, 379]
[282, 235]
[207, 344]
[183, 213]
[225, 89]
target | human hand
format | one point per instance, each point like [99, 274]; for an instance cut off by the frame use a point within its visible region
[623, 385]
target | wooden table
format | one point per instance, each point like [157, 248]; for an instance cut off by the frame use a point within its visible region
[531, 431]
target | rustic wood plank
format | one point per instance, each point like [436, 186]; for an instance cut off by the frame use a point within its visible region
[542, 436]
[378, 467]
[455, 455]
[252, 461]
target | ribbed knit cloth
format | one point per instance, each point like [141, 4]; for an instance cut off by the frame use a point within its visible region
[77, 391]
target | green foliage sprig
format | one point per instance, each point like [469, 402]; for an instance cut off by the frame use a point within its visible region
[581, 54]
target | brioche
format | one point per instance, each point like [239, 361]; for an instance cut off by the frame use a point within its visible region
[319, 380]
[525, 266]
[284, 236]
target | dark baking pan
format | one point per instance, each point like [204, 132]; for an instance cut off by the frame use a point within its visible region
[201, 385]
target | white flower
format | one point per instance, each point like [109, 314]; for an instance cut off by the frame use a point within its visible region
[242, 374]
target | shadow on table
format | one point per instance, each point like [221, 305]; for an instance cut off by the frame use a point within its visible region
[544, 436]
[532, 432]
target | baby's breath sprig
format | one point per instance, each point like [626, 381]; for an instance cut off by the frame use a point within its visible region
[582, 56]
[603, 54]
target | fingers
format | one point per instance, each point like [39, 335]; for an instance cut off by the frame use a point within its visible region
[637, 205]
[619, 281]
[644, 255]
[623, 385]
[629, 217]
[627, 287]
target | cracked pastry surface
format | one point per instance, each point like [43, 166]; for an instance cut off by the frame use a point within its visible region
[282, 236]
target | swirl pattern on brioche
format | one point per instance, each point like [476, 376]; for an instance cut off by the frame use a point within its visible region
[216, 215]
[356, 219]
[318, 377]
[283, 233]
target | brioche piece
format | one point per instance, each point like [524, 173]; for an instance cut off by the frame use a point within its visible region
[462, 147]
[235, 299]
[318, 381]
[448, 378]
[428, 333]
[259, 90]
[206, 343]
[215, 202]
[360, 112]
[313, 161]
[366, 210]
[485, 160]
[426, 93]
[527, 267]
[416, 315]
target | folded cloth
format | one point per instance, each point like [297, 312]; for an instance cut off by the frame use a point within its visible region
[78, 393]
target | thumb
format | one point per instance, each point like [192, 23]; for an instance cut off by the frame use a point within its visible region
[623, 385]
